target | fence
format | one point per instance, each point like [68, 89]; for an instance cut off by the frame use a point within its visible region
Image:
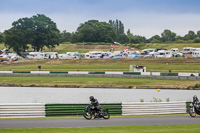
[113, 74]
[22, 110]
[31, 110]
[77, 109]
[152, 108]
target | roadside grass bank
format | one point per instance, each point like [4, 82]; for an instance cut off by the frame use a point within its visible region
[177, 65]
[121, 129]
[95, 82]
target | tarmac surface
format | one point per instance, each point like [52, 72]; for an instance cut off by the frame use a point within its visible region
[81, 122]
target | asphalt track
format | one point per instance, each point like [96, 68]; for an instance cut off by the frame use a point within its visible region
[119, 121]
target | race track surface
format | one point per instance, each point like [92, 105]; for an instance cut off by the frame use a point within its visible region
[121, 121]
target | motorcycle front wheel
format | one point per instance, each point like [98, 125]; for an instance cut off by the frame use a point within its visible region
[87, 115]
[106, 115]
[192, 114]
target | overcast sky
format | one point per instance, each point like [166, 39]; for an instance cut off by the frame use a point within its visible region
[142, 17]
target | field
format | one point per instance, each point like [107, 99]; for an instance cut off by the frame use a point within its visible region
[68, 47]
[95, 82]
[125, 129]
[101, 65]
[177, 65]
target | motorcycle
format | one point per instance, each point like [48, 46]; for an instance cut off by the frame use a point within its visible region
[90, 112]
[194, 107]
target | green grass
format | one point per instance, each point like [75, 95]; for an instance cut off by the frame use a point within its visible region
[168, 46]
[121, 129]
[100, 65]
[95, 82]
[63, 48]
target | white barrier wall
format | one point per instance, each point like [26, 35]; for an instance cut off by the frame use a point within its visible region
[188, 74]
[40, 72]
[6, 71]
[152, 108]
[155, 73]
[22, 110]
[114, 73]
[78, 72]
[145, 73]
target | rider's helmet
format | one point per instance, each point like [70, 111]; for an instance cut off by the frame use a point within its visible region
[195, 98]
[91, 98]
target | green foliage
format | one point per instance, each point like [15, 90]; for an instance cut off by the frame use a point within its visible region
[167, 99]
[197, 40]
[119, 30]
[1, 37]
[94, 31]
[65, 36]
[45, 32]
[135, 39]
[190, 36]
[193, 87]
[168, 36]
[156, 100]
[39, 31]
[141, 100]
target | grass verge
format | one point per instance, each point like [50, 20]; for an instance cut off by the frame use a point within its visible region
[94, 82]
[101, 65]
[121, 129]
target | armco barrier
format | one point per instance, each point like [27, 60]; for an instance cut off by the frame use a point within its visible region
[188, 74]
[58, 72]
[77, 109]
[22, 110]
[151, 108]
[132, 73]
[96, 72]
[153, 75]
[77, 72]
[6, 72]
[121, 73]
[20, 72]
[168, 74]
[40, 72]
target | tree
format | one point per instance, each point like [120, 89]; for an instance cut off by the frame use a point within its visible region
[45, 32]
[65, 36]
[95, 31]
[123, 39]
[135, 38]
[155, 39]
[190, 36]
[119, 28]
[168, 36]
[198, 34]
[19, 35]
[39, 31]
[1, 37]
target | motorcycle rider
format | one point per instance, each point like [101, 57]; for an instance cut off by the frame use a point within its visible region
[196, 101]
[95, 103]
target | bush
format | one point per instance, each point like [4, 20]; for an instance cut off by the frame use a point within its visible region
[197, 40]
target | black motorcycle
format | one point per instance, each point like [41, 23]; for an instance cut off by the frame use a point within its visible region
[194, 107]
[90, 112]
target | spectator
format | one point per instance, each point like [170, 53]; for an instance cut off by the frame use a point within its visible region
[39, 68]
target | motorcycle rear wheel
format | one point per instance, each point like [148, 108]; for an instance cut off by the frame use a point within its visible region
[192, 114]
[87, 115]
[106, 115]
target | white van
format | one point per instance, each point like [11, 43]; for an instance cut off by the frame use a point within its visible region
[36, 55]
[187, 50]
[196, 54]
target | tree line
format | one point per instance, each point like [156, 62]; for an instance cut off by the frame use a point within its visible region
[39, 31]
